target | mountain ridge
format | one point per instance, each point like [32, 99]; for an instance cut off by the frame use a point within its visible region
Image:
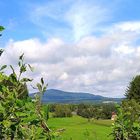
[60, 96]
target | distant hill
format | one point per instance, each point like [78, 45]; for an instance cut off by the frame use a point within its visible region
[59, 96]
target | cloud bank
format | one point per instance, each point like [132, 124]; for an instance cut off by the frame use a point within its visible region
[98, 64]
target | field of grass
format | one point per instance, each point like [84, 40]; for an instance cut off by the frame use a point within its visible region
[78, 128]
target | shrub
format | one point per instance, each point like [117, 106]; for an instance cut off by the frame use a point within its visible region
[62, 111]
[86, 111]
[127, 124]
[20, 117]
[107, 110]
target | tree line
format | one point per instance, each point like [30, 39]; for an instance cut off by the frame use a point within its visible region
[89, 111]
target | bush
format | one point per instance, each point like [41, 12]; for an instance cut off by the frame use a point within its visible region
[86, 111]
[107, 110]
[127, 124]
[62, 111]
[20, 117]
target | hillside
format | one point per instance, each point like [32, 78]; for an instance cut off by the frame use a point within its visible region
[59, 96]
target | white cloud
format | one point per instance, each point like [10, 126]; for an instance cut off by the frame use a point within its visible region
[84, 18]
[101, 65]
[76, 19]
[124, 49]
[64, 76]
[129, 26]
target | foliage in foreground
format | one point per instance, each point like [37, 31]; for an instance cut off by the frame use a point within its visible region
[127, 124]
[20, 117]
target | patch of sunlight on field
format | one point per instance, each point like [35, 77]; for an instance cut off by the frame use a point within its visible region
[78, 128]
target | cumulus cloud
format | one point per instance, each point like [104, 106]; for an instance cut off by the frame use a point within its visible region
[101, 65]
[129, 26]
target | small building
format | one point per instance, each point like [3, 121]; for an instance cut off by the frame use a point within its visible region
[113, 116]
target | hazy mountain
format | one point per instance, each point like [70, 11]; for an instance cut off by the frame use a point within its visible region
[59, 96]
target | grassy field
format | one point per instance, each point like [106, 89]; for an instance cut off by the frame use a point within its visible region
[78, 128]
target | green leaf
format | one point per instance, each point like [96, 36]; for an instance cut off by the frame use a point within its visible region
[19, 63]
[39, 87]
[42, 81]
[1, 51]
[22, 68]
[26, 80]
[13, 78]
[7, 123]
[1, 28]
[12, 68]
[44, 89]
[3, 67]
[19, 102]
[21, 57]
[31, 68]
[2, 109]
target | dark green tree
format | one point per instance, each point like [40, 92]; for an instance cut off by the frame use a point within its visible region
[133, 90]
[62, 110]
[107, 110]
[86, 111]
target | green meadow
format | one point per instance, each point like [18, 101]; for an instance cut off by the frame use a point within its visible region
[78, 128]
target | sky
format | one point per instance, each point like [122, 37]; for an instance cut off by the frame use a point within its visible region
[76, 45]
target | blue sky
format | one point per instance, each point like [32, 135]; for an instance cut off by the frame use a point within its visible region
[27, 19]
[77, 45]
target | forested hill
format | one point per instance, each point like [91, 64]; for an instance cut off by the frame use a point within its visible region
[59, 96]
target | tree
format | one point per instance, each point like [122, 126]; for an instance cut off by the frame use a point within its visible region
[133, 90]
[62, 111]
[21, 117]
[107, 110]
[86, 111]
[127, 123]
[13, 82]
